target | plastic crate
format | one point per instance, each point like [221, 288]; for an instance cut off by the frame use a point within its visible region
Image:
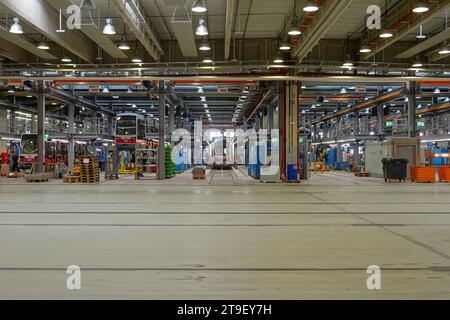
[444, 173]
[423, 174]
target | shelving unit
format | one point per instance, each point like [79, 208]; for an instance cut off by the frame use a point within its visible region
[145, 160]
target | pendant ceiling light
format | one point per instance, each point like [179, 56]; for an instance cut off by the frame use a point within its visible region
[199, 6]
[285, 46]
[204, 46]
[16, 27]
[421, 7]
[202, 30]
[444, 50]
[278, 59]
[109, 28]
[43, 45]
[294, 30]
[207, 60]
[87, 5]
[348, 63]
[365, 49]
[66, 59]
[310, 6]
[124, 46]
[386, 33]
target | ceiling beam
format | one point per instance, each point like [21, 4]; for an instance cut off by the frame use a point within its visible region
[26, 45]
[42, 17]
[424, 45]
[14, 53]
[135, 18]
[229, 24]
[406, 28]
[328, 14]
[435, 56]
[93, 32]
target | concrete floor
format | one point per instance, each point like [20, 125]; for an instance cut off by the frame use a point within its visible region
[233, 241]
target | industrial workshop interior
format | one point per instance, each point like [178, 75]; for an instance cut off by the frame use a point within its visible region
[224, 150]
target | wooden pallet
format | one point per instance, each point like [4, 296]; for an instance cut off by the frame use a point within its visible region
[16, 175]
[71, 179]
[361, 174]
[89, 181]
[112, 177]
[199, 176]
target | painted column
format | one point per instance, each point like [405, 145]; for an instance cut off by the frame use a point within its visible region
[162, 134]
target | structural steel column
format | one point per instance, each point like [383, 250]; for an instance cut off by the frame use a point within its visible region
[41, 126]
[356, 124]
[412, 126]
[291, 124]
[162, 134]
[380, 120]
[179, 117]
[356, 155]
[171, 118]
[71, 151]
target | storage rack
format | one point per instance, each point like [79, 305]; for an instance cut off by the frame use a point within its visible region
[145, 159]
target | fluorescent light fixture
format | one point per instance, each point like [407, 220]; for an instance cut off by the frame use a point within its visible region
[199, 6]
[43, 45]
[136, 60]
[365, 49]
[343, 90]
[386, 33]
[417, 64]
[421, 7]
[66, 59]
[437, 91]
[109, 28]
[11, 90]
[285, 46]
[105, 90]
[310, 6]
[202, 30]
[16, 27]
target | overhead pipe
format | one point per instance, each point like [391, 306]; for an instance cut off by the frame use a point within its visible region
[61, 94]
[263, 99]
[341, 79]
[382, 99]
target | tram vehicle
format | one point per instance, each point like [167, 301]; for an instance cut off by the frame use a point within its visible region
[130, 129]
[55, 151]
